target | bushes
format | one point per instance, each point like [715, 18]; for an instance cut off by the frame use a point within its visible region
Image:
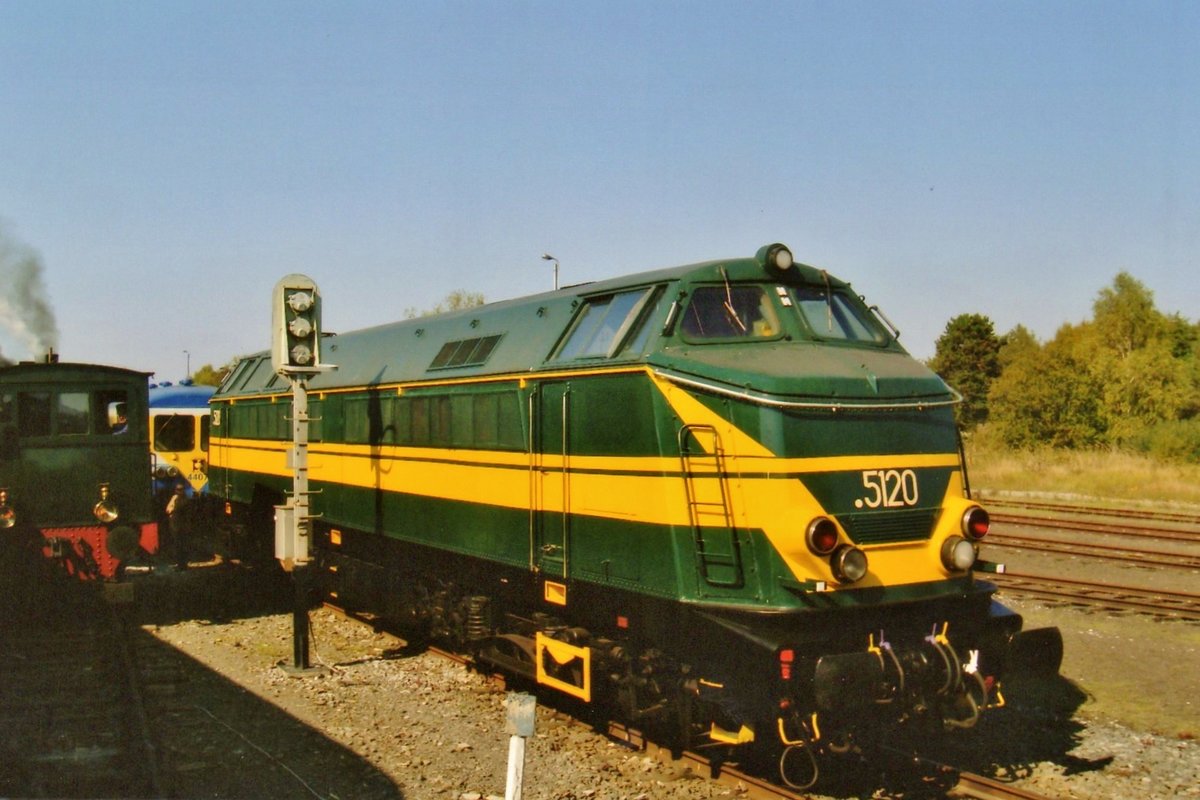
[1177, 440]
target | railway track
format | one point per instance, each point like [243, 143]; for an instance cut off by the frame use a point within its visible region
[1126, 555]
[1180, 517]
[71, 706]
[1182, 605]
[1091, 526]
[981, 788]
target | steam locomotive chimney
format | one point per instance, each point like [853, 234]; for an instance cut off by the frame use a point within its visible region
[51, 356]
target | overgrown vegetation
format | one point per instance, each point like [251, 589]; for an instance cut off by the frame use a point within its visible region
[1122, 477]
[1125, 382]
[455, 301]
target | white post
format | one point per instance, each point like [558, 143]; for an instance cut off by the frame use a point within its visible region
[516, 768]
[520, 709]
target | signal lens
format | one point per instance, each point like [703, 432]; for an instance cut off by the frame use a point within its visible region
[821, 536]
[958, 554]
[300, 302]
[976, 523]
[849, 564]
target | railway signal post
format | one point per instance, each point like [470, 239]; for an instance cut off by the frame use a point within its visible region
[296, 355]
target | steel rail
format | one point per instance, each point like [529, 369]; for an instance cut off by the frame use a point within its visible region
[1142, 531]
[981, 788]
[1126, 555]
[1185, 605]
[1099, 511]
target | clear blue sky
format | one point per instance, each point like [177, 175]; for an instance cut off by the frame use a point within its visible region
[169, 161]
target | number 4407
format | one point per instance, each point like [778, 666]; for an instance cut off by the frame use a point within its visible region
[888, 488]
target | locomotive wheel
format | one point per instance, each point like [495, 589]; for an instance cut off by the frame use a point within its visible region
[122, 543]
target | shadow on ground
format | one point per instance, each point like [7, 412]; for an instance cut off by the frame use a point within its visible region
[1036, 725]
[209, 737]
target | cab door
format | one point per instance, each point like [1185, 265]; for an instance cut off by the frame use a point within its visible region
[551, 479]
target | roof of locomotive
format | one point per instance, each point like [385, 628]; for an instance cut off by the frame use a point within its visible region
[68, 372]
[403, 351]
[530, 328]
[180, 395]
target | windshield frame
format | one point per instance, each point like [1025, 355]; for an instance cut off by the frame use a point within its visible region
[838, 303]
[727, 309]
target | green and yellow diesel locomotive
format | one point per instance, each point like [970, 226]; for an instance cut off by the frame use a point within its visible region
[720, 499]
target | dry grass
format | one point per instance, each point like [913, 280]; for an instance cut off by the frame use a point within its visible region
[1122, 478]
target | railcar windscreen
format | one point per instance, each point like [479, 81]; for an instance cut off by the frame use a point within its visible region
[730, 312]
[830, 314]
[174, 433]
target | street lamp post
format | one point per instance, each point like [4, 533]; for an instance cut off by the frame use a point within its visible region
[548, 257]
[188, 374]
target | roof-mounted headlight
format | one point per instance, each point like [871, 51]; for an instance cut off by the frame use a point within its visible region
[776, 258]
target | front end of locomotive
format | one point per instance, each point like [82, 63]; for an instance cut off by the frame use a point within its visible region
[841, 451]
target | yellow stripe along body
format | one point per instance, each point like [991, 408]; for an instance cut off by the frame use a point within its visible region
[763, 490]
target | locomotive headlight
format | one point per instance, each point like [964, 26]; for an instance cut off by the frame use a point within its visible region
[821, 536]
[958, 554]
[849, 564]
[976, 523]
[8, 515]
[106, 510]
[776, 258]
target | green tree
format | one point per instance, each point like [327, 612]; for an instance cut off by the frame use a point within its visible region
[1018, 342]
[208, 375]
[455, 301]
[967, 357]
[1048, 396]
[1125, 316]
[1144, 360]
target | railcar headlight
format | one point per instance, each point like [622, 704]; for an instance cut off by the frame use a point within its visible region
[821, 536]
[849, 564]
[958, 554]
[976, 523]
[8, 515]
[776, 258]
[106, 510]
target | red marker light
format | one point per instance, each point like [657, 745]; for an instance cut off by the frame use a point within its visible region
[976, 523]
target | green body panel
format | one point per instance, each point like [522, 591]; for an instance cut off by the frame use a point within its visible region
[392, 387]
[53, 468]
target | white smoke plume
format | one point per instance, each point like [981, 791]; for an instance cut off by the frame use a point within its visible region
[25, 310]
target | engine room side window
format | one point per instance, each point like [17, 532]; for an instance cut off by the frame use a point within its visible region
[33, 413]
[602, 325]
[833, 315]
[72, 414]
[730, 312]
